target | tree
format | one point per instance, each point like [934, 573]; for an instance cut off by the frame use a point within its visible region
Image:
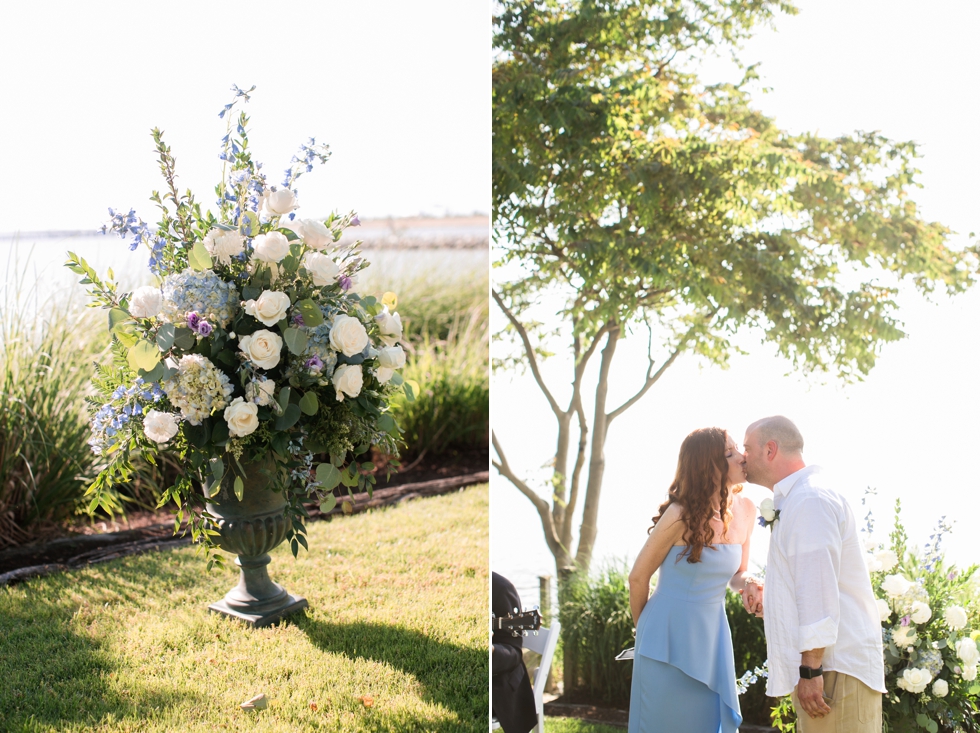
[646, 196]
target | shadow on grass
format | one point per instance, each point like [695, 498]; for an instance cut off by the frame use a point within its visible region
[456, 678]
[54, 677]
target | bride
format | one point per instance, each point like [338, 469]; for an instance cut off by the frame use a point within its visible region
[684, 666]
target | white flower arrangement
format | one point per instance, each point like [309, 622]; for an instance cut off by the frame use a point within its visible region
[251, 342]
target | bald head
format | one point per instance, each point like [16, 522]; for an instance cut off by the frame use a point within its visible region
[780, 430]
[773, 450]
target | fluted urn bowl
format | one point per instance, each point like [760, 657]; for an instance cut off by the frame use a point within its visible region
[251, 528]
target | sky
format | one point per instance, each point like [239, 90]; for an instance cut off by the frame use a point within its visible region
[400, 91]
[910, 430]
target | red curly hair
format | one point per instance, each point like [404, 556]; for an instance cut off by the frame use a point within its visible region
[702, 473]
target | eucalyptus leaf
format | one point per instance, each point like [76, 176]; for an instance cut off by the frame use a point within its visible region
[328, 476]
[217, 468]
[118, 316]
[289, 418]
[328, 503]
[144, 355]
[312, 315]
[295, 339]
[309, 403]
[386, 423]
[198, 258]
[165, 336]
[184, 338]
[155, 374]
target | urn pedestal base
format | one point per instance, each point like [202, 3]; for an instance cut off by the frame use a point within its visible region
[256, 600]
[250, 527]
[293, 604]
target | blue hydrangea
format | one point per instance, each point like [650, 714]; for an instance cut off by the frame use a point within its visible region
[203, 293]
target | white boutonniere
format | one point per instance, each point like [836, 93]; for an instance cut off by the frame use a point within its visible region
[768, 513]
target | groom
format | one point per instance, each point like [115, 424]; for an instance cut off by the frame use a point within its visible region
[822, 627]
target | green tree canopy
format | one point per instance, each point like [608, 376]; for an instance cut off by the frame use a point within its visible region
[643, 194]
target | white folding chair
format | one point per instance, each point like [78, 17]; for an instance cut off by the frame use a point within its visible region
[544, 644]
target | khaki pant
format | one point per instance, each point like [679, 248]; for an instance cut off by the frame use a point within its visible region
[854, 707]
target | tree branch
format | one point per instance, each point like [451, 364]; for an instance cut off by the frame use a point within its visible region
[652, 377]
[529, 350]
[554, 544]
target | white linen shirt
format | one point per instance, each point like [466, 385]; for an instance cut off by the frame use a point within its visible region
[817, 589]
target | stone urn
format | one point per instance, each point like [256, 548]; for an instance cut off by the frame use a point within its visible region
[251, 528]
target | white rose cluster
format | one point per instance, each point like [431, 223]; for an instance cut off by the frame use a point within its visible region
[271, 247]
[278, 203]
[914, 679]
[966, 650]
[956, 617]
[323, 270]
[348, 380]
[348, 335]
[269, 308]
[390, 359]
[896, 585]
[940, 688]
[315, 234]
[242, 417]
[160, 427]
[921, 612]
[262, 348]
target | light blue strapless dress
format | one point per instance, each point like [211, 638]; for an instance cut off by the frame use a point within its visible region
[684, 665]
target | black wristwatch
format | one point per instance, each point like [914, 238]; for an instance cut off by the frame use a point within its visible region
[808, 673]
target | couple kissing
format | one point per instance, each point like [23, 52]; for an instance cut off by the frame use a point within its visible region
[823, 633]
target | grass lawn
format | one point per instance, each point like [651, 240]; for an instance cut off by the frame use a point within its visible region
[395, 638]
[574, 725]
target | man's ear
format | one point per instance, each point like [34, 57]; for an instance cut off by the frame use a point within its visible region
[771, 449]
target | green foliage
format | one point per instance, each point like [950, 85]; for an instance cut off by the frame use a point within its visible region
[648, 195]
[749, 643]
[596, 626]
[397, 613]
[44, 380]
[452, 409]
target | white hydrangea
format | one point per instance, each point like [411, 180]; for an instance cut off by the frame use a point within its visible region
[198, 388]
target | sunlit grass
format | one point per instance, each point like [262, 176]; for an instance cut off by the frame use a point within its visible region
[395, 637]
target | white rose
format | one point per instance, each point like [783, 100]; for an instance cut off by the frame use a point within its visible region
[966, 650]
[315, 234]
[956, 617]
[904, 636]
[383, 374]
[884, 610]
[270, 308]
[159, 426]
[916, 679]
[280, 202]
[390, 325]
[896, 585]
[920, 612]
[348, 380]
[262, 348]
[242, 418]
[271, 247]
[262, 392]
[145, 302]
[323, 270]
[940, 688]
[391, 357]
[887, 559]
[348, 335]
[872, 562]
[969, 672]
[767, 509]
[223, 245]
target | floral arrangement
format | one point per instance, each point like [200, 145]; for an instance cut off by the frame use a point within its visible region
[930, 625]
[250, 342]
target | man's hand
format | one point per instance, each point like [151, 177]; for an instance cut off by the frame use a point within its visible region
[752, 598]
[810, 694]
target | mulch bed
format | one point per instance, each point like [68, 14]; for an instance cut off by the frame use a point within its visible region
[144, 531]
[615, 718]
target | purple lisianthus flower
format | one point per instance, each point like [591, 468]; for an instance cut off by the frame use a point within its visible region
[314, 363]
[298, 319]
[355, 222]
[906, 620]
[193, 321]
[204, 328]
[952, 575]
[345, 282]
